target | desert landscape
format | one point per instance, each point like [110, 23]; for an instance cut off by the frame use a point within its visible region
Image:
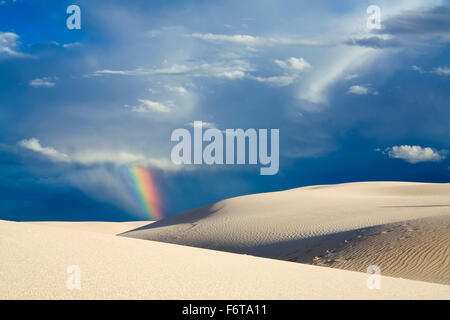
[306, 243]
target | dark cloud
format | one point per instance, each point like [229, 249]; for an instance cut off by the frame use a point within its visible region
[435, 21]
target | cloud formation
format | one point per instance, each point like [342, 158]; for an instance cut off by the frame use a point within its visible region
[148, 106]
[375, 42]
[293, 64]
[45, 82]
[33, 144]
[96, 157]
[441, 71]
[9, 45]
[231, 69]
[415, 154]
[249, 40]
[434, 21]
[361, 90]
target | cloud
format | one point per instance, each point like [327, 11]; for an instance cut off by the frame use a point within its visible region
[172, 70]
[178, 89]
[434, 21]
[414, 154]
[293, 64]
[45, 82]
[417, 68]
[205, 124]
[149, 106]
[71, 45]
[120, 158]
[358, 90]
[234, 69]
[253, 40]
[361, 90]
[9, 44]
[442, 71]
[375, 42]
[237, 38]
[33, 144]
[97, 157]
[275, 81]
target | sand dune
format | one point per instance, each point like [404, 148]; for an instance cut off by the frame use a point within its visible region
[95, 226]
[310, 225]
[413, 249]
[34, 260]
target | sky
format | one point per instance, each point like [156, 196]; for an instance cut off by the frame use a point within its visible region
[80, 107]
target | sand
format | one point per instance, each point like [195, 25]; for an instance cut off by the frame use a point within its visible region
[321, 224]
[96, 226]
[413, 249]
[35, 258]
[306, 243]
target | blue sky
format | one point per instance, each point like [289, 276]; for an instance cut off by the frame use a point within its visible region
[352, 104]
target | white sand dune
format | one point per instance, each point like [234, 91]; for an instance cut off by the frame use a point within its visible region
[34, 260]
[414, 249]
[306, 224]
[95, 226]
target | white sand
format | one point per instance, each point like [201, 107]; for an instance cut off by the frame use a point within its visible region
[34, 259]
[414, 249]
[95, 226]
[304, 224]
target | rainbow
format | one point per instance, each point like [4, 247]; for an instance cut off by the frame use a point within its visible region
[143, 188]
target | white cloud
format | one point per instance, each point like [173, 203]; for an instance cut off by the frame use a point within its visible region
[34, 145]
[71, 45]
[414, 154]
[417, 68]
[8, 45]
[254, 41]
[237, 38]
[360, 90]
[120, 158]
[276, 81]
[293, 64]
[45, 82]
[178, 89]
[97, 157]
[233, 69]
[149, 106]
[234, 74]
[442, 71]
[205, 124]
